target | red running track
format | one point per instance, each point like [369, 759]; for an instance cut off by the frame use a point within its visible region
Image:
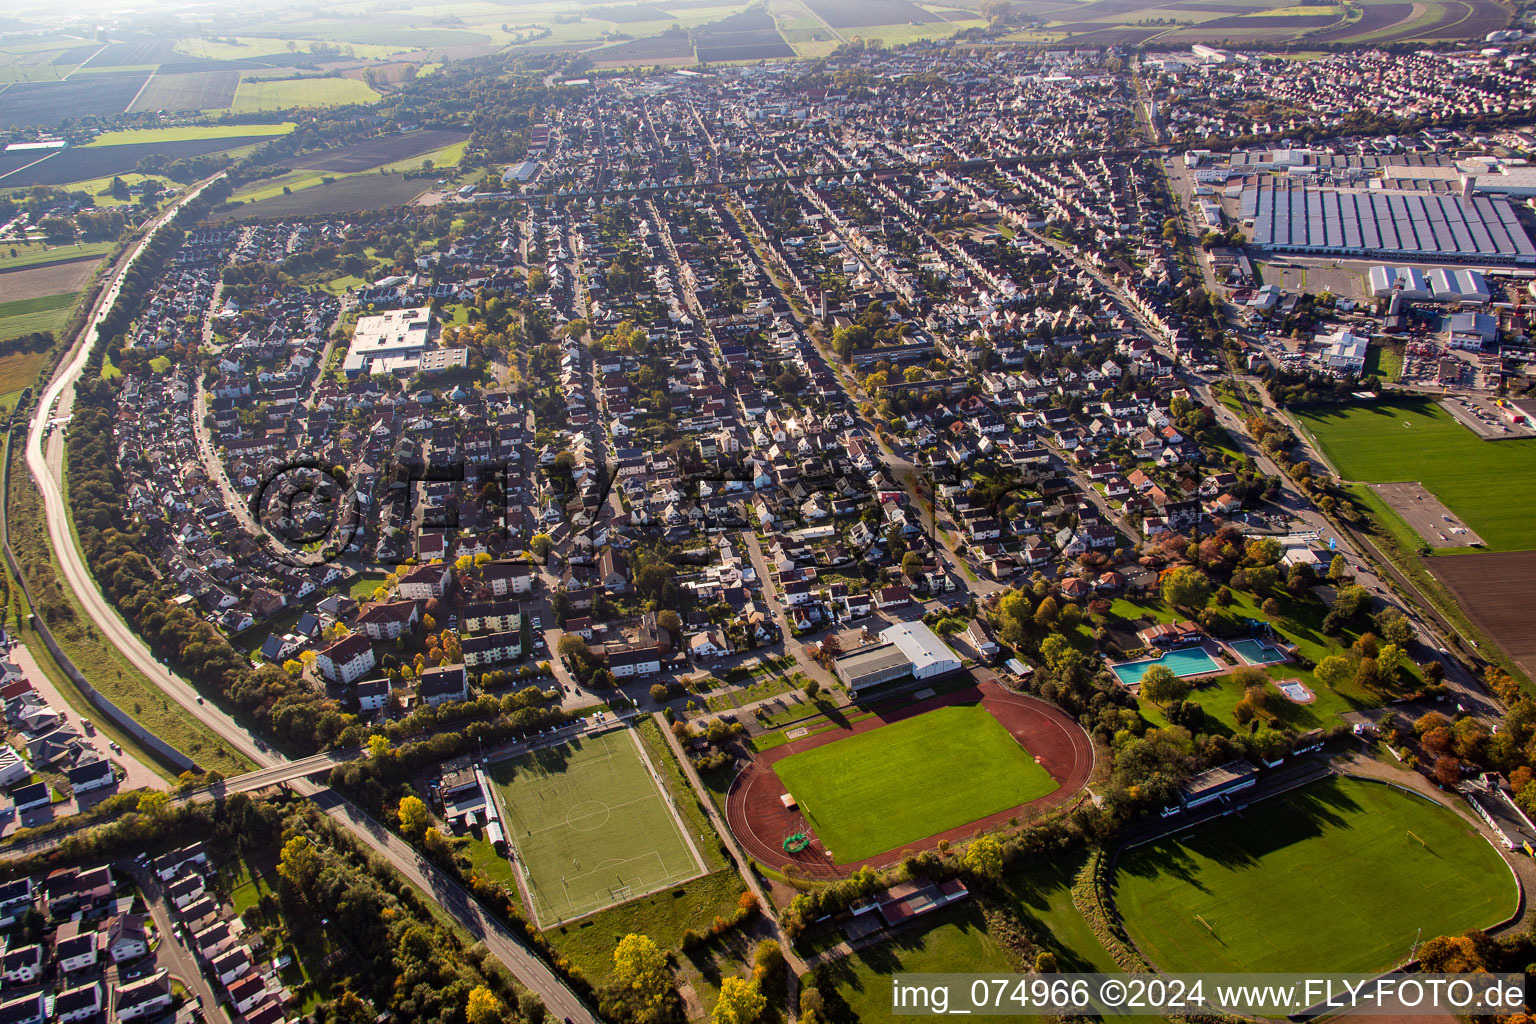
[760, 821]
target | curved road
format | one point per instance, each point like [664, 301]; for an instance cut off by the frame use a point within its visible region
[45, 456]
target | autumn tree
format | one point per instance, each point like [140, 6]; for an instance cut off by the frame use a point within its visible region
[740, 1002]
[299, 864]
[1162, 687]
[414, 817]
[640, 967]
[1450, 954]
[984, 858]
[483, 1007]
[1187, 588]
[1447, 771]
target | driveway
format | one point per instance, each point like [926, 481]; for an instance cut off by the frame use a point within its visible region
[139, 775]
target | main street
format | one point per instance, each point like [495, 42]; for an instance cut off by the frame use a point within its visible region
[45, 461]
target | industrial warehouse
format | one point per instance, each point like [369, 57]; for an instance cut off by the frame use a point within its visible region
[907, 650]
[1294, 218]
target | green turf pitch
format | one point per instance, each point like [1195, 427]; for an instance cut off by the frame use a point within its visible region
[1490, 484]
[901, 782]
[1324, 879]
[590, 826]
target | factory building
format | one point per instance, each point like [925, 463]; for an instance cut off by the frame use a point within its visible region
[1359, 224]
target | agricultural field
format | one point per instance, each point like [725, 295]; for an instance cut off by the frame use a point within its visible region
[353, 192]
[14, 256]
[199, 90]
[297, 93]
[751, 35]
[230, 133]
[1133, 22]
[875, 791]
[343, 195]
[590, 826]
[1249, 891]
[18, 370]
[42, 313]
[398, 148]
[1491, 485]
[84, 163]
[1492, 589]
[870, 12]
[48, 103]
[47, 279]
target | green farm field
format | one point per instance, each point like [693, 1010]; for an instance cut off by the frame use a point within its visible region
[590, 826]
[1490, 484]
[293, 93]
[189, 133]
[1314, 880]
[37, 255]
[46, 313]
[877, 790]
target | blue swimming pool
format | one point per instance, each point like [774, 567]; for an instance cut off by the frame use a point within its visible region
[1257, 652]
[1192, 661]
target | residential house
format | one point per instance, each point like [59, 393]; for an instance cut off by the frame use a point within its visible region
[425, 582]
[346, 660]
[146, 997]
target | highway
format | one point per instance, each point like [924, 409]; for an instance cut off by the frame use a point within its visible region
[45, 456]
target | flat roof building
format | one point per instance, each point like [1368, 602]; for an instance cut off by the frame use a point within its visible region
[921, 646]
[1218, 782]
[870, 667]
[391, 342]
[1298, 218]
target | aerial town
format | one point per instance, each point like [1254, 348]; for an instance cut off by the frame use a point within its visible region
[698, 520]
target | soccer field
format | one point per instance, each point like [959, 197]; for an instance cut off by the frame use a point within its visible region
[1491, 485]
[875, 791]
[591, 826]
[1327, 878]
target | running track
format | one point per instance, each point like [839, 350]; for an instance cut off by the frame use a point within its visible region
[761, 822]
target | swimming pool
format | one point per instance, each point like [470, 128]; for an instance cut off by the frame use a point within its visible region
[1191, 661]
[1257, 652]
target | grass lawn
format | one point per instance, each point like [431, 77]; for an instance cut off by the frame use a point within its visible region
[293, 93]
[663, 916]
[590, 826]
[44, 313]
[364, 584]
[37, 255]
[1316, 879]
[877, 790]
[1385, 361]
[1491, 485]
[1300, 622]
[955, 942]
[1044, 895]
[683, 796]
[189, 133]
[487, 863]
[18, 370]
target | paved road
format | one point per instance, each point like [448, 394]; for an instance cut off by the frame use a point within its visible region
[46, 467]
[171, 954]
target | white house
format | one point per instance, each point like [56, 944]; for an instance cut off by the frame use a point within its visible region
[634, 661]
[143, 998]
[346, 660]
[127, 938]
